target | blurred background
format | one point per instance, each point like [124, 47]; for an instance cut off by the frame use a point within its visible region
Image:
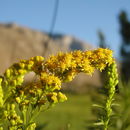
[29, 28]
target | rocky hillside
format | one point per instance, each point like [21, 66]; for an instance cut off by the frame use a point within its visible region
[18, 42]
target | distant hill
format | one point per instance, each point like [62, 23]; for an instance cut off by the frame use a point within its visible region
[18, 42]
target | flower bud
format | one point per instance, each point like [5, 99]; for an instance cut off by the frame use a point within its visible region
[18, 100]
[12, 106]
[61, 97]
[52, 97]
[0, 81]
[5, 113]
[13, 122]
[1, 128]
[7, 73]
[22, 65]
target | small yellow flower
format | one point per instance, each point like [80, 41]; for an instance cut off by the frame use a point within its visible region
[50, 82]
[61, 97]
[52, 97]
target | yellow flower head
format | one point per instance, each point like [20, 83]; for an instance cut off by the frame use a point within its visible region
[59, 63]
[50, 82]
[99, 58]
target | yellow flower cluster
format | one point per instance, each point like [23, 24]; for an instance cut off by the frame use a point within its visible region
[56, 69]
[56, 97]
[50, 82]
[12, 116]
[15, 74]
[100, 58]
[67, 65]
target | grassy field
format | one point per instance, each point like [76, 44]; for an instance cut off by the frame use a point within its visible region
[70, 115]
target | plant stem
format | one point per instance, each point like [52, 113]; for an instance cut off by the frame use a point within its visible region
[24, 112]
[108, 110]
[110, 85]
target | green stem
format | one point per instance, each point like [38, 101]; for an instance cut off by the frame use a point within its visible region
[35, 114]
[110, 85]
[24, 112]
[108, 111]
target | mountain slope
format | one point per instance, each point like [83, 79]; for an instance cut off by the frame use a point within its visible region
[18, 42]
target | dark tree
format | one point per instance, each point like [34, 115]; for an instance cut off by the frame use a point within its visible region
[125, 46]
[102, 42]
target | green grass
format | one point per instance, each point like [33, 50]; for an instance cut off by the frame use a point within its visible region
[70, 115]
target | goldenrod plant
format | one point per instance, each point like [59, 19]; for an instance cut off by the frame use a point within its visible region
[122, 120]
[20, 104]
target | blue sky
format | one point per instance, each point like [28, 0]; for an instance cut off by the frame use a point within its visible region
[80, 18]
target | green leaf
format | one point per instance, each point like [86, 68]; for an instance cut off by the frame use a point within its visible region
[99, 106]
[115, 104]
[98, 123]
